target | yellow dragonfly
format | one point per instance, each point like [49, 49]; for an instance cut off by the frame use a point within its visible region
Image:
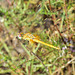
[30, 37]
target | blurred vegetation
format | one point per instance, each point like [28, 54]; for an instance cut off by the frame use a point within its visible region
[51, 20]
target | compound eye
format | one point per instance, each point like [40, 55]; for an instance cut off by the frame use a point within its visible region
[19, 36]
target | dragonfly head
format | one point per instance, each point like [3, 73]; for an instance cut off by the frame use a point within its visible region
[20, 35]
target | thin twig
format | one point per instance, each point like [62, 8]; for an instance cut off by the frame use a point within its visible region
[53, 17]
[40, 61]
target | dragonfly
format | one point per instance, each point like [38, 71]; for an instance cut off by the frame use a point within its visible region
[32, 38]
